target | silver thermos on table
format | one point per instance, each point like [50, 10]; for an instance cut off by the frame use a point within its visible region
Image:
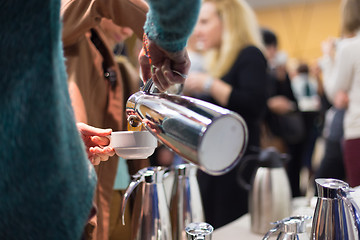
[336, 215]
[269, 192]
[185, 204]
[151, 217]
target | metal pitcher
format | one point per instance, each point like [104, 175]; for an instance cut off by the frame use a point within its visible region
[269, 192]
[336, 215]
[185, 204]
[292, 228]
[209, 136]
[152, 218]
[199, 231]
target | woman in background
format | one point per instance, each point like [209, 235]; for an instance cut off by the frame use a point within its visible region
[235, 79]
[342, 84]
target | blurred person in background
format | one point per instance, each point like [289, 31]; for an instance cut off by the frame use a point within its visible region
[235, 78]
[114, 36]
[283, 125]
[341, 70]
[305, 89]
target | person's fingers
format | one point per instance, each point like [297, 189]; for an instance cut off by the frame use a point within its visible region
[175, 77]
[162, 80]
[90, 130]
[95, 160]
[166, 71]
[104, 157]
[144, 66]
[159, 80]
[172, 76]
[180, 63]
[98, 150]
[156, 82]
[103, 141]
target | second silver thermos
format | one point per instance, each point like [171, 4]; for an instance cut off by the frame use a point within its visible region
[185, 204]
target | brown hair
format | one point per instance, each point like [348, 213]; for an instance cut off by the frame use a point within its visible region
[350, 16]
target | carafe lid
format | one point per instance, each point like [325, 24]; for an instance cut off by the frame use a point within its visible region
[271, 158]
[329, 187]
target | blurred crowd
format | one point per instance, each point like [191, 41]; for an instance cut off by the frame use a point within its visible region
[304, 109]
[308, 110]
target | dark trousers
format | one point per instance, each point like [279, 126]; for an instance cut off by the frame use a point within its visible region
[332, 165]
[352, 161]
[224, 200]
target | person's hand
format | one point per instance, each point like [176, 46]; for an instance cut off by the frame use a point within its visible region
[167, 68]
[280, 72]
[195, 83]
[280, 105]
[328, 47]
[96, 143]
[341, 100]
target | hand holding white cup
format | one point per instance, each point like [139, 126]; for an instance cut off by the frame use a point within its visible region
[133, 144]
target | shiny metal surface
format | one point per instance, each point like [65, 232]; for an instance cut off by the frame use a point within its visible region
[336, 215]
[270, 192]
[269, 198]
[185, 204]
[151, 217]
[209, 136]
[292, 228]
[198, 231]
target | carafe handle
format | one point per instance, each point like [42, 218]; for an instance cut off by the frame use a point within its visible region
[138, 179]
[243, 183]
[272, 231]
[353, 207]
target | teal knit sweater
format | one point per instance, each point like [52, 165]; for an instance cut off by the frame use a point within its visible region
[170, 22]
[46, 181]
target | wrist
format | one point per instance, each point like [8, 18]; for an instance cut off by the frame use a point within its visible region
[208, 84]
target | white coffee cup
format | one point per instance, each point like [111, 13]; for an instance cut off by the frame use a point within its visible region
[133, 144]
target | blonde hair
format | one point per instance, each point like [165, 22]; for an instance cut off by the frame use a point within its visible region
[240, 29]
[350, 16]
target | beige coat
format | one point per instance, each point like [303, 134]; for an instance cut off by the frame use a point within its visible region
[95, 101]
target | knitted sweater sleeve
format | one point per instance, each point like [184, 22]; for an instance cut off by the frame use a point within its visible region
[46, 181]
[170, 22]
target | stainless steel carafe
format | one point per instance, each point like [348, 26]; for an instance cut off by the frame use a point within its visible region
[185, 204]
[270, 192]
[199, 231]
[151, 217]
[336, 215]
[209, 136]
[292, 228]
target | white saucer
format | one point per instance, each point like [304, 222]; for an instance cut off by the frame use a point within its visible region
[135, 153]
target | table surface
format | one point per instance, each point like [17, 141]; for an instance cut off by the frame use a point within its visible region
[240, 228]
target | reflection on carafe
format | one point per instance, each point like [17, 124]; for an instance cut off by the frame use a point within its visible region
[199, 231]
[133, 123]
